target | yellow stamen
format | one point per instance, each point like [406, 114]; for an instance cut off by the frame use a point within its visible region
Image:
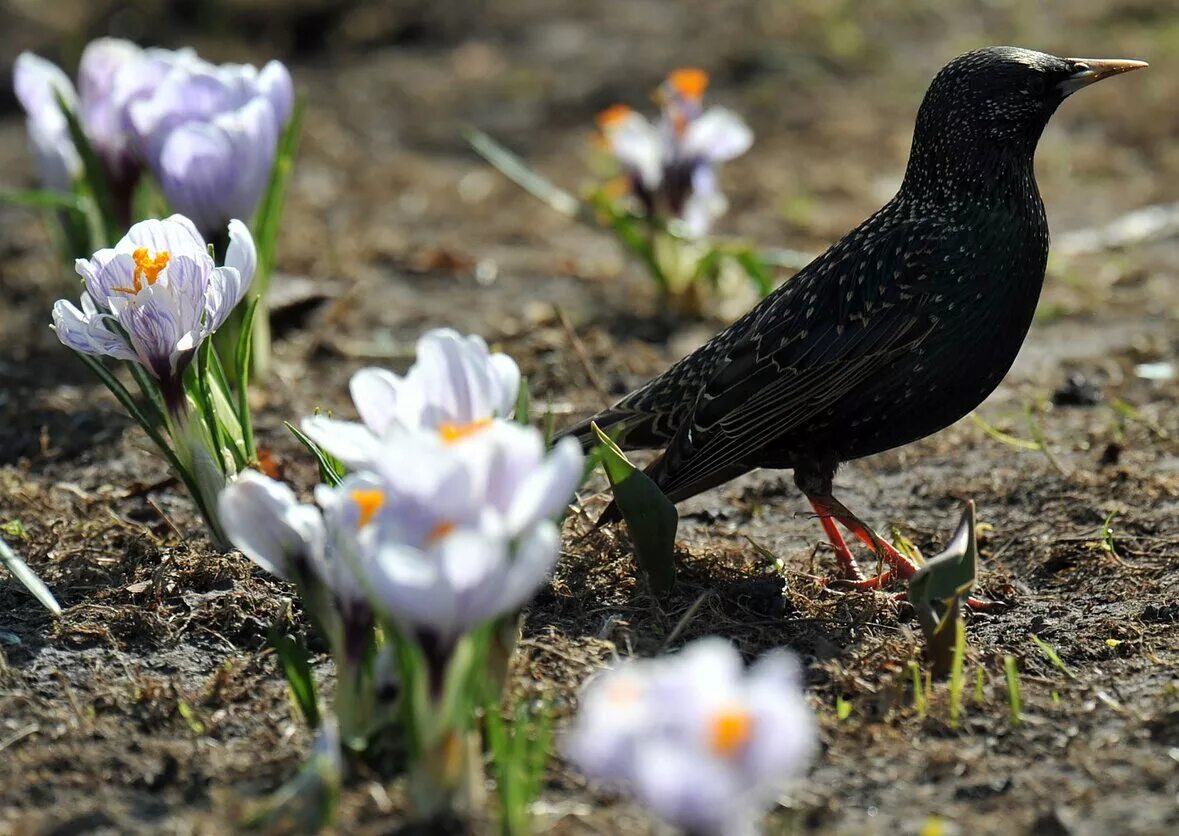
[441, 531]
[146, 267]
[613, 116]
[452, 433]
[730, 730]
[369, 502]
[689, 83]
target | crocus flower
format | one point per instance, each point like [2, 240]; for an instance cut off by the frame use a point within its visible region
[701, 741]
[155, 297]
[671, 166]
[450, 535]
[441, 538]
[210, 133]
[111, 74]
[454, 388]
[292, 540]
[38, 83]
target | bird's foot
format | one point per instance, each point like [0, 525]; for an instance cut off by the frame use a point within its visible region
[830, 511]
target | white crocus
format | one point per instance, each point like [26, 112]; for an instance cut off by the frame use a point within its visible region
[446, 537]
[267, 522]
[38, 84]
[156, 296]
[455, 388]
[703, 742]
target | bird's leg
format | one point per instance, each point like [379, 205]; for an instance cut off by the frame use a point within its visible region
[848, 569]
[830, 510]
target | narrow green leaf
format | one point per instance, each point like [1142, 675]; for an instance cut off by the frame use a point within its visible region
[28, 578]
[1053, 657]
[918, 690]
[43, 199]
[93, 172]
[956, 681]
[649, 514]
[1014, 698]
[522, 403]
[1002, 437]
[190, 717]
[241, 363]
[148, 200]
[756, 270]
[203, 390]
[153, 400]
[268, 218]
[129, 403]
[527, 178]
[330, 469]
[296, 667]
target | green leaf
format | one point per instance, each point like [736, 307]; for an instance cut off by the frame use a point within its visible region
[649, 514]
[527, 178]
[269, 215]
[522, 403]
[1053, 657]
[203, 391]
[756, 270]
[28, 578]
[148, 200]
[1014, 697]
[43, 199]
[331, 471]
[15, 529]
[937, 589]
[129, 403]
[296, 667]
[241, 363]
[93, 173]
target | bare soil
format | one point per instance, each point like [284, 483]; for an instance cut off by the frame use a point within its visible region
[153, 704]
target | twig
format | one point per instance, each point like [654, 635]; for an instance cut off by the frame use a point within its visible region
[164, 516]
[18, 735]
[686, 619]
[582, 357]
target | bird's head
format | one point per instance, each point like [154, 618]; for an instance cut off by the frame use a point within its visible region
[993, 103]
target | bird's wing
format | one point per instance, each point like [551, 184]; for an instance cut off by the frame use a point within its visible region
[843, 319]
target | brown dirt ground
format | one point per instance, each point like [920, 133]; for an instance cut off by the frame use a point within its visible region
[153, 706]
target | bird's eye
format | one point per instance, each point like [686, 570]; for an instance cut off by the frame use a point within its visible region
[1037, 85]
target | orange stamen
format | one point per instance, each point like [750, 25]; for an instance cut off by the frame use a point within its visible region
[730, 730]
[624, 691]
[441, 531]
[689, 83]
[146, 267]
[370, 502]
[613, 116]
[452, 433]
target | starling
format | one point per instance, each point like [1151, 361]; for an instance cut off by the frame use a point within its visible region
[898, 330]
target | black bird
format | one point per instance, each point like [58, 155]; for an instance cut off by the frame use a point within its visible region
[898, 330]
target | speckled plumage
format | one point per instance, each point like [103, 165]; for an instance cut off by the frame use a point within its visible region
[899, 329]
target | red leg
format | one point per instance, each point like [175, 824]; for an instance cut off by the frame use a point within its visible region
[830, 510]
[899, 563]
[847, 561]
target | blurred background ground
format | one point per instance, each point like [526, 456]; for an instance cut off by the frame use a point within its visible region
[153, 706]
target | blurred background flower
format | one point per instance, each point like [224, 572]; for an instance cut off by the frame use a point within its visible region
[671, 166]
[702, 741]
